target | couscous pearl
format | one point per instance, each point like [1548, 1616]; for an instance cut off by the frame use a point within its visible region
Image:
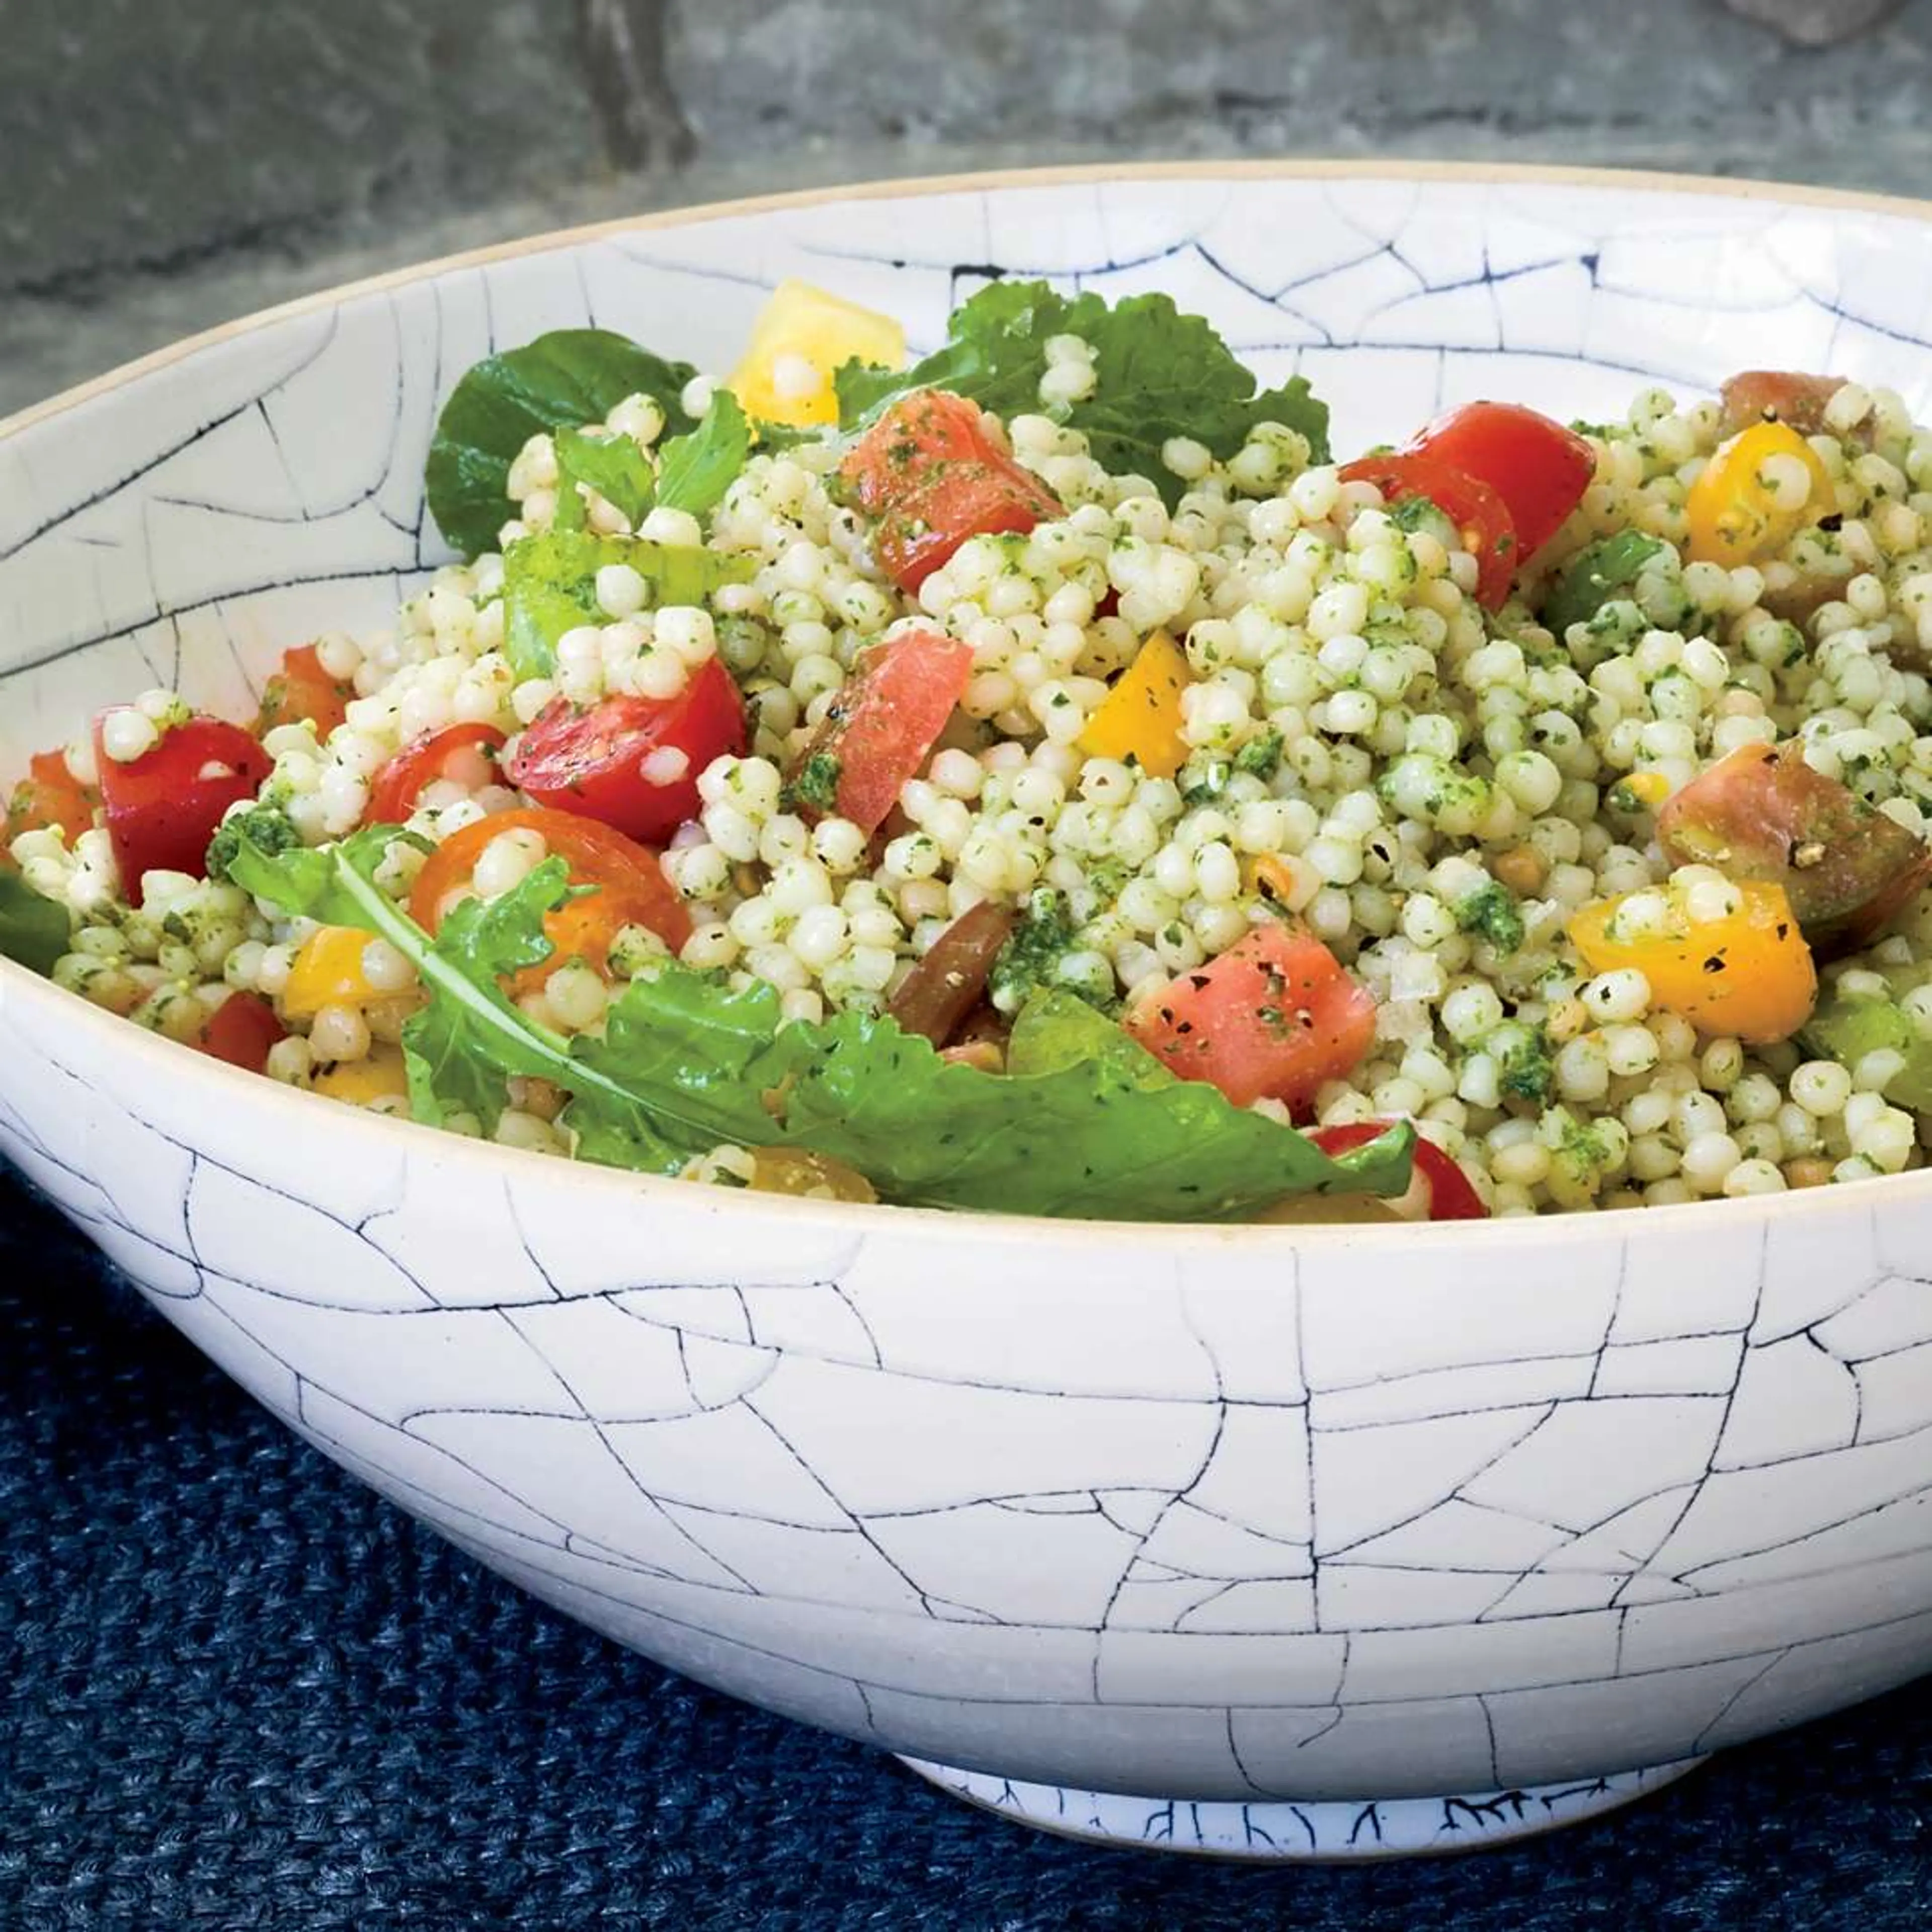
[1821, 1087]
[338, 1034]
[507, 860]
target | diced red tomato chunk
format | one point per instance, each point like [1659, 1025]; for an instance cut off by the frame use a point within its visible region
[162, 807]
[881, 726]
[241, 1031]
[1274, 1017]
[631, 763]
[930, 475]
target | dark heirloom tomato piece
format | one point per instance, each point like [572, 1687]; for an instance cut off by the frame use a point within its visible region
[1539, 469]
[631, 763]
[403, 779]
[1775, 395]
[880, 728]
[930, 475]
[1762, 813]
[162, 807]
[1475, 508]
[1275, 1017]
[241, 1031]
[944, 986]
[1447, 1190]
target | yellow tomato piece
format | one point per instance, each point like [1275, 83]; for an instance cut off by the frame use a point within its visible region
[1747, 503]
[327, 972]
[1747, 972]
[1140, 718]
[801, 337]
[380, 1075]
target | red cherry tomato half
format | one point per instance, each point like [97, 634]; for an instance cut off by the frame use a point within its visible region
[1274, 1017]
[241, 1031]
[603, 762]
[883, 722]
[631, 888]
[401, 780]
[1539, 468]
[1477, 511]
[1451, 1195]
[162, 807]
[930, 476]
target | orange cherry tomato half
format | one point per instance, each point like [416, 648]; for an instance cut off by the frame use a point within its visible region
[50, 795]
[631, 888]
[401, 780]
[302, 689]
[1451, 1195]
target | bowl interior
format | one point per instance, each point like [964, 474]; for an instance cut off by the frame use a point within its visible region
[184, 525]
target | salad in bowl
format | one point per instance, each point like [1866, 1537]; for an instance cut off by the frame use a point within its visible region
[1042, 778]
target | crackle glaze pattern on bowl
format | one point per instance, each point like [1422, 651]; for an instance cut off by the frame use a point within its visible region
[1283, 1532]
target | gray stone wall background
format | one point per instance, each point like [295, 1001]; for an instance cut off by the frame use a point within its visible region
[168, 164]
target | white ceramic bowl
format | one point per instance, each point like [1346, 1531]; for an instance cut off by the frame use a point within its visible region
[1326, 1540]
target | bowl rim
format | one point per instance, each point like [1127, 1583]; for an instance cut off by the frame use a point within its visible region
[1518, 174]
[1751, 1216]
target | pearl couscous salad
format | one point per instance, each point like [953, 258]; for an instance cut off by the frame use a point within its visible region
[1041, 778]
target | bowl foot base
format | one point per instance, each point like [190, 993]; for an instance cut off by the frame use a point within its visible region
[1332, 1831]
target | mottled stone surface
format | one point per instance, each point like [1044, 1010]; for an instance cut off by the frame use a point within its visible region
[1815, 23]
[170, 167]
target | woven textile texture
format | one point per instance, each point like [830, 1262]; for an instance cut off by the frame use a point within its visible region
[237, 1690]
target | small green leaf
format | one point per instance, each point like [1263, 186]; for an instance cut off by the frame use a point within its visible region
[1158, 374]
[694, 471]
[614, 466]
[564, 380]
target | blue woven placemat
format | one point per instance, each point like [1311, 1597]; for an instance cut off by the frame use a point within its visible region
[238, 1690]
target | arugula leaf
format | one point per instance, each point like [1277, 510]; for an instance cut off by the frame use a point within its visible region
[694, 471]
[1088, 1122]
[614, 466]
[1159, 373]
[550, 586]
[34, 929]
[567, 378]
